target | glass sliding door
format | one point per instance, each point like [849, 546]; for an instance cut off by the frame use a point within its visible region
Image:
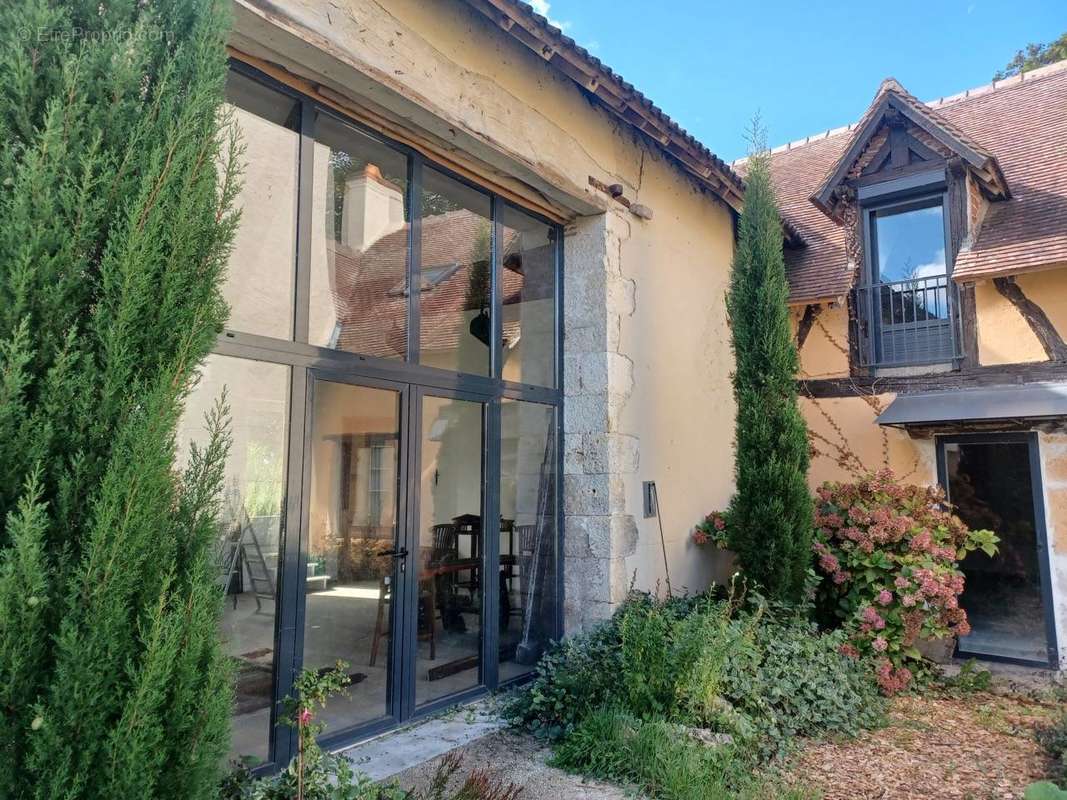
[351, 545]
[392, 363]
[527, 555]
[251, 529]
[991, 483]
[450, 547]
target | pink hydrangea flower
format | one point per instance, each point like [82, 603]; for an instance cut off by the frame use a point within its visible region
[885, 597]
[880, 644]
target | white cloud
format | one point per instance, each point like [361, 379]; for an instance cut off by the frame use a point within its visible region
[935, 267]
[543, 7]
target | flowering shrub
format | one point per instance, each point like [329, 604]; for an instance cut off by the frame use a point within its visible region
[891, 553]
[712, 529]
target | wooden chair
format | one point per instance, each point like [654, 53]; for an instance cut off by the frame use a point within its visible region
[445, 543]
[427, 602]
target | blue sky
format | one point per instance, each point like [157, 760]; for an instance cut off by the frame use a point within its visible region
[805, 65]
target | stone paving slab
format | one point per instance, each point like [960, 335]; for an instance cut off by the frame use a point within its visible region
[519, 759]
[399, 750]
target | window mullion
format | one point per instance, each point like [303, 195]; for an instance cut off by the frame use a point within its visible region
[414, 257]
[305, 195]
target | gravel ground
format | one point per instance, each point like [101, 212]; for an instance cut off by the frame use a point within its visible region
[520, 760]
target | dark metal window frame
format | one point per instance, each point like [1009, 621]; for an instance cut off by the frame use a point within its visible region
[308, 363]
[1037, 486]
[923, 190]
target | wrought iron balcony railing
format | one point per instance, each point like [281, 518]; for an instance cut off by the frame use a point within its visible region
[909, 322]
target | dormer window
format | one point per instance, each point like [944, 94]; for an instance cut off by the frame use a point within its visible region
[898, 187]
[906, 303]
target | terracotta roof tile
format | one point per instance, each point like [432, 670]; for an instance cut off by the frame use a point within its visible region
[368, 293]
[1022, 122]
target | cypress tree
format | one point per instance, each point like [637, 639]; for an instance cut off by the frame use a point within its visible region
[117, 184]
[770, 516]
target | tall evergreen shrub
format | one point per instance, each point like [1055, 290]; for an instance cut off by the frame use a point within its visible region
[116, 206]
[770, 517]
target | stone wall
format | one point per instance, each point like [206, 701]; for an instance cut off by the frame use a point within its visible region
[600, 532]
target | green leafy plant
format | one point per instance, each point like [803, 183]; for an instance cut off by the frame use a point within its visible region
[316, 775]
[1053, 738]
[890, 555]
[736, 666]
[1044, 790]
[663, 760]
[970, 679]
[571, 679]
[770, 514]
[714, 530]
[118, 174]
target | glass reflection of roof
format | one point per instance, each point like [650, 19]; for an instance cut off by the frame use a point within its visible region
[429, 277]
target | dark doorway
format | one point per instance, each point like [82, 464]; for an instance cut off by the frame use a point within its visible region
[994, 481]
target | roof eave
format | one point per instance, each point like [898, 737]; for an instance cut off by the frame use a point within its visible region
[983, 164]
[620, 98]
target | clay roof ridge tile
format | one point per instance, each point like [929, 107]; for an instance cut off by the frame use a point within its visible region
[959, 97]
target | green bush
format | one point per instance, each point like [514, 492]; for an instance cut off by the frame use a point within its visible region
[662, 760]
[890, 553]
[792, 680]
[763, 677]
[573, 678]
[118, 174]
[1054, 739]
[1044, 790]
[770, 514]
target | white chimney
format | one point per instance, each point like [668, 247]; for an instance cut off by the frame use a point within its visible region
[373, 208]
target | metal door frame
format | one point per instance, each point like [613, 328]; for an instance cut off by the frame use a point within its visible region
[1040, 529]
[490, 510]
[398, 615]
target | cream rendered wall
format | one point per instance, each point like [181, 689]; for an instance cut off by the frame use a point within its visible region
[1048, 289]
[1004, 336]
[676, 343]
[1053, 447]
[847, 425]
[825, 350]
[647, 350]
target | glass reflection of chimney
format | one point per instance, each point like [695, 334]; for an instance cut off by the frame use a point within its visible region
[373, 208]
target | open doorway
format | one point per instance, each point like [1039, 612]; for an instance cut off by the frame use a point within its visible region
[994, 482]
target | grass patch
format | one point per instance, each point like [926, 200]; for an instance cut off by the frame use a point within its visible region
[661, 759]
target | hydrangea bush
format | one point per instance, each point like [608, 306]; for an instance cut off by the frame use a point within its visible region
[890, 555]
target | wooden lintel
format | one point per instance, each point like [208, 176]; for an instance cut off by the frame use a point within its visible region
[350, 108]
[811, 312]
[962, 379]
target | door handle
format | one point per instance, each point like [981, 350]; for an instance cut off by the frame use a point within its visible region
[398, 554]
